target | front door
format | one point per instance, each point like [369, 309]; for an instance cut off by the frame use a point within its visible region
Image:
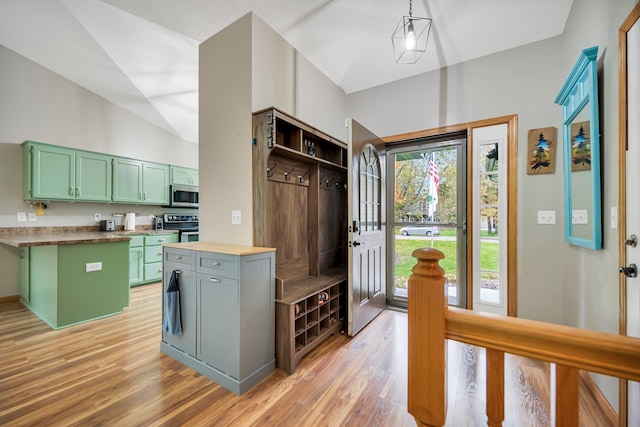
[631, 289]
[366, 226]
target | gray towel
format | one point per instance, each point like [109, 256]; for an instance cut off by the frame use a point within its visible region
[171, 322]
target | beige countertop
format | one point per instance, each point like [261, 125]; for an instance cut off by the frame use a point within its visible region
[50, 237]
[223, 248]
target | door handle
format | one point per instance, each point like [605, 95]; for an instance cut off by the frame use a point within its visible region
[630, 271]
[356, 243]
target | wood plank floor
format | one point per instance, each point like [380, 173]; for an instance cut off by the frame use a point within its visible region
[110, 372]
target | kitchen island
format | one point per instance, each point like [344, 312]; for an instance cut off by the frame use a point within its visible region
[71, 277]
[227, 308]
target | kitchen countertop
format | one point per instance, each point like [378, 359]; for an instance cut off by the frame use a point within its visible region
[223, 248]
[50, 237]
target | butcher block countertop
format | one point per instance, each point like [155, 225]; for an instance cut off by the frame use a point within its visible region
[222, 248]
[45, 236]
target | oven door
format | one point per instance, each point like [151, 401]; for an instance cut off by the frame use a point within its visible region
[188, 236]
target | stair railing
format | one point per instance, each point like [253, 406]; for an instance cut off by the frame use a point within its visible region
[431, 322]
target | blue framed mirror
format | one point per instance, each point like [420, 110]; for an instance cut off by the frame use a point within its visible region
[581, 152]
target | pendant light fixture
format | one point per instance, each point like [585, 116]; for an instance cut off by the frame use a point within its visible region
[410, 37]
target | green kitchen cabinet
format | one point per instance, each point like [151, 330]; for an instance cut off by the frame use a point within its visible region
[145, 257]
[71, 284]
[140, 182]
[59, 173]
[127, 180]
[155, 183]
[184, 176]
[136, 260]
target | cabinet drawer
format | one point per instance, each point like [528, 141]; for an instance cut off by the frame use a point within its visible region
[218, 264]
[153, 271]
[136, 241]
[159, 239]
[152, 254]
[182, 258]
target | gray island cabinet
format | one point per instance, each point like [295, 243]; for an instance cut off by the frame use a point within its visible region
[227, 305]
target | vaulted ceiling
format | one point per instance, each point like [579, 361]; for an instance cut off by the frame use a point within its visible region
[143, 55]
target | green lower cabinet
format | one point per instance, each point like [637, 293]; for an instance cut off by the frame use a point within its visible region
[145, 257]
[63, 293]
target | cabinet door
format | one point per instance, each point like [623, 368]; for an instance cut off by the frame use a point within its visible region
[52, 172]
[184, 176]
[155, 180]
[188, 298]
[136, 266]
[93, 177]
[218, 317]
[127, 180]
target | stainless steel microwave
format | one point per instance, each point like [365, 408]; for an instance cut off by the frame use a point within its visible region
[184, 196]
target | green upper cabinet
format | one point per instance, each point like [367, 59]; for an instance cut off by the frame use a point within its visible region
[155, 183]
[127, 180]
[140, 182]
[59, 173]
[184, 176]
[93, 177]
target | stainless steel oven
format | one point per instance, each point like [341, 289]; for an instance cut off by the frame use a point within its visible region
[186, 224]
[183, 196]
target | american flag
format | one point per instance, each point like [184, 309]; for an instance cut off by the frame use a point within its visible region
[433, 172]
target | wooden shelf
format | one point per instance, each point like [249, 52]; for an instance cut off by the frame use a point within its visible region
[300, 200]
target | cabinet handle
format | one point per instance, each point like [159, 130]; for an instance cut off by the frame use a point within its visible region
[144, 195]
[216, 264]
[71, 191]
[77, 191]
[161, 240]
[159, 253]
[178, 271]
[178, 258]
[215, 280]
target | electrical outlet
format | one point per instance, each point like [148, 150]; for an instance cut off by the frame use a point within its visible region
[96, 217]
[546, 217]
[236, 217]
[93, 266]
[32, 216]
[579, 216]
[22, 217]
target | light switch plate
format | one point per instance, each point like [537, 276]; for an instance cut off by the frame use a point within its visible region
[546, 217]
[236, 217]
[22, 216]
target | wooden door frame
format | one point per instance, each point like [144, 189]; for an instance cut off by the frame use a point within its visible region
[622, 191]
[512, 189]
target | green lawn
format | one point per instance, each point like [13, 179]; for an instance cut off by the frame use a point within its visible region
[404, 262]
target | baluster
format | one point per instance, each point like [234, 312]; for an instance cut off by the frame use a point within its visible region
[427, 355]
[495, 387]
[567, 387]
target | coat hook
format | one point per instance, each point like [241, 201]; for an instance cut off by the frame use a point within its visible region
[301, 177]
[286, 174]
[270, 169]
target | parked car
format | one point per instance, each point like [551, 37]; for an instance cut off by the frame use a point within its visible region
[420, 230]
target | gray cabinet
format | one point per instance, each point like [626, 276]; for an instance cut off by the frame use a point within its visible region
[231, 296]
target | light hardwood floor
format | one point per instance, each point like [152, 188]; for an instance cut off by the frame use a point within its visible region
[110, 372]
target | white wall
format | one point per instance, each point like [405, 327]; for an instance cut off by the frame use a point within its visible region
[265, 72]
[557, 282]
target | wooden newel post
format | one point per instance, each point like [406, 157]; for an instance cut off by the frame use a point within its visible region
[427, 369]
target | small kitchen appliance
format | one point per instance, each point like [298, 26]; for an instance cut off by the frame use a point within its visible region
[107, 225]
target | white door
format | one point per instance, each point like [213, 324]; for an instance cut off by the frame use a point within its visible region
[633, 203]
[366, 226]
[490, 207]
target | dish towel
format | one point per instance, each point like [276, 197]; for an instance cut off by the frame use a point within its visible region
[171, 322]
